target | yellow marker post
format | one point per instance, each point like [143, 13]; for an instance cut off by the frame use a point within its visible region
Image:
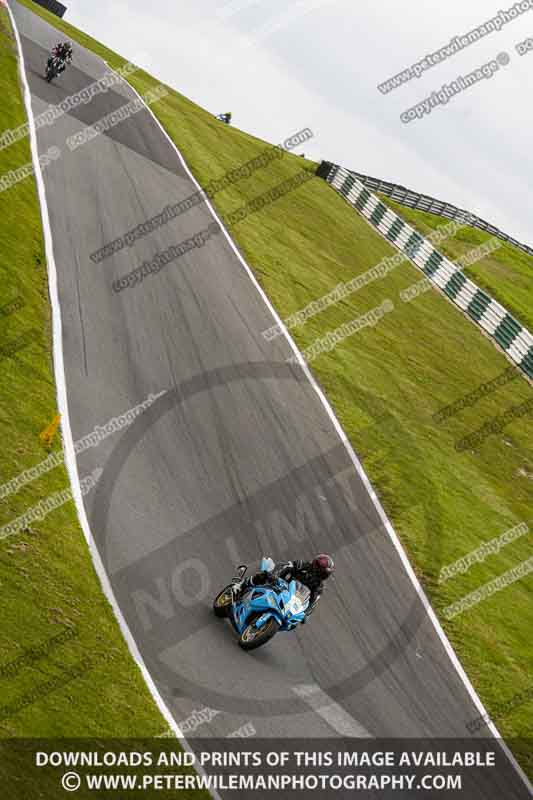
[47, 435]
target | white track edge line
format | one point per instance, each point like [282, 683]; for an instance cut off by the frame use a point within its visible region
[62, 400]
[362, 474]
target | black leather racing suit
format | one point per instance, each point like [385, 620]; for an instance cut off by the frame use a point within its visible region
[301, 571]
[63, 52]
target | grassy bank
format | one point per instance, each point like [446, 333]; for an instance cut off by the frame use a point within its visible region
[422, 356]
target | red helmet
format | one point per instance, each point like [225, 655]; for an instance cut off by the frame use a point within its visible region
[323, 565]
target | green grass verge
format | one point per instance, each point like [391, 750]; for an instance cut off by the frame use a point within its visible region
[65, 669]
[506, 274]
[419, 358]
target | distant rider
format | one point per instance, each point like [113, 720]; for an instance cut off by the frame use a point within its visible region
[311, 573]
[63, 52]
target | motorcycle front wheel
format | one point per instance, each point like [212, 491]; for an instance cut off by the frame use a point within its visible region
[222, 602]
[253, 637]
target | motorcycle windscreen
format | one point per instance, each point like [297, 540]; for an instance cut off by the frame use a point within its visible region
[302, 592]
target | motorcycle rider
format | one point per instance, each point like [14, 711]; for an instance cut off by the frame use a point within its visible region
[311, 573]
[63, 52]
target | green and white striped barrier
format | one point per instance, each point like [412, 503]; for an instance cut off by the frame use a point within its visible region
[493, 318]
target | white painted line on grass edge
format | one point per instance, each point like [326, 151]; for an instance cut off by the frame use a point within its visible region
[62, 402]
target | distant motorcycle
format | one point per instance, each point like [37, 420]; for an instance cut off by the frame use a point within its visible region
[263, 610]
[54, 67]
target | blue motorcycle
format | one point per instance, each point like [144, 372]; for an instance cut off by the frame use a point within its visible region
[262, 611]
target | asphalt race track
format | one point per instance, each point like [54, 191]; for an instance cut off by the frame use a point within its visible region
[236, 458]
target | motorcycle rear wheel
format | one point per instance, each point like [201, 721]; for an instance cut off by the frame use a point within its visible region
[222, 602]
[253, 637]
